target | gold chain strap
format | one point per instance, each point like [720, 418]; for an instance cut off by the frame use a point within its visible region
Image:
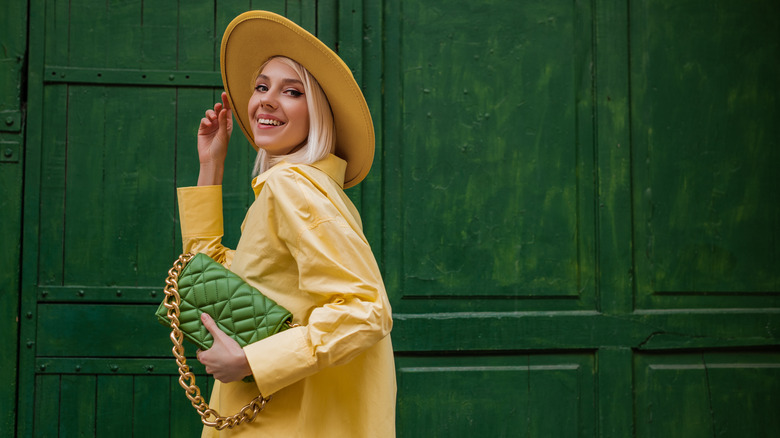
[171, 302]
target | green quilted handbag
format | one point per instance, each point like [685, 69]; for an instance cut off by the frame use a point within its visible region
[239, 309]
[196, 285]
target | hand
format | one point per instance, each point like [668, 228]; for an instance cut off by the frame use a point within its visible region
[225, 360]
[213, 137]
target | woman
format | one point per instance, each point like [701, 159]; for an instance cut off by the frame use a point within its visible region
[302, 242]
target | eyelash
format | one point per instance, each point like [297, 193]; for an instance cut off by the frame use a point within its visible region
[293, 92]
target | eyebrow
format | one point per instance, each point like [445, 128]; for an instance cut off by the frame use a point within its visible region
[284, 81]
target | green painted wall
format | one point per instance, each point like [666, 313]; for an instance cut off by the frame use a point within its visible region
[574, 205]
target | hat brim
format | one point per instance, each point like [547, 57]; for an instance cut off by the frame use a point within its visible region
[255, 36]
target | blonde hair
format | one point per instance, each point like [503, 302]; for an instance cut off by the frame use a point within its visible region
[321, 140]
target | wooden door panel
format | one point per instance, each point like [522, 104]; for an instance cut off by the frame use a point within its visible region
[518, 396]
[102, 330]
[745, 393]
[77, 396]
[47, 407]
[705, 186]
[116, 211]
[111, 415]
[118, 34]
[151, 395]
[52, 194]
[707, 394]
[84, 404]
[494, 152]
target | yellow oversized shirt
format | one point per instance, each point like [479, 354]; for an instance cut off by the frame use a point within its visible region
[302, 244]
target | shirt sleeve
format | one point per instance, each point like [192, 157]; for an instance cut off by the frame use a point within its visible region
[200, 214]
[337, 269]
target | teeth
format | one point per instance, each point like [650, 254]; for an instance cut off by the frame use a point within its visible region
[269, 122]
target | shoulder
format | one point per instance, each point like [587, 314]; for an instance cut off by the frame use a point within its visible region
[325, 176]
[296, 178]
[299, 190]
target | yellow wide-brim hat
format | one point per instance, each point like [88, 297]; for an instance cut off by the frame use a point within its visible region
[255, 36]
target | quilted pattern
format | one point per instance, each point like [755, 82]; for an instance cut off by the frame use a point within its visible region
[239, 309]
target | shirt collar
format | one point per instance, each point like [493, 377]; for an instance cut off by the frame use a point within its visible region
[331, 165]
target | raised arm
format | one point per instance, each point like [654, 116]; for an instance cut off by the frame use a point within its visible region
[213, 138]
[200, 208]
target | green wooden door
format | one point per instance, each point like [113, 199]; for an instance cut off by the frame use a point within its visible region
[583, 217]
[573, 204]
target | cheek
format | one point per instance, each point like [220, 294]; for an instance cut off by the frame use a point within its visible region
[251, 106]
[302, 113]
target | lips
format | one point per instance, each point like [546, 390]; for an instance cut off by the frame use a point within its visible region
[269, 121]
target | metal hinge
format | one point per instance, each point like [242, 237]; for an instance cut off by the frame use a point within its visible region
[11, 121]
[10, 151]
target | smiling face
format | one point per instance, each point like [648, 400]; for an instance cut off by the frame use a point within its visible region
[278, 110]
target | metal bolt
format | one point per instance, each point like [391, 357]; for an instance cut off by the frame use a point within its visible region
[78, 368]
[150, 368]
[171, 77]
[43, 367]
[29, 315]
[30, 344]
[119, 293]
[114, 368]
[81, 293]
[9, 120]
[8, 152]
[154, 293]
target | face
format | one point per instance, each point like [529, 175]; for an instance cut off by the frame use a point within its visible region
[278, 110]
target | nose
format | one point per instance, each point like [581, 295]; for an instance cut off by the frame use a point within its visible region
[268, 101]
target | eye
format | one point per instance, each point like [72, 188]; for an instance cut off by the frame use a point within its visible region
[293, 92]
[261, 88]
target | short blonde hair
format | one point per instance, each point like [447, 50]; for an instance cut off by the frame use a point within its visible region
[321, 140]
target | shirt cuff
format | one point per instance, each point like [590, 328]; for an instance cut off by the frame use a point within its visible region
[200, 211]
[292, 360]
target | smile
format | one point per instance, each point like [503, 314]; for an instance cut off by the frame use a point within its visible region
[270, 122]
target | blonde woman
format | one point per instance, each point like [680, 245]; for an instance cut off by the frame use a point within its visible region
[302, 242]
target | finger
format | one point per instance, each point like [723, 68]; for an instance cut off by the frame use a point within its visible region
[211, 115]
[224, 117]
[225, 101]
[228, 112]
[210, 325]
